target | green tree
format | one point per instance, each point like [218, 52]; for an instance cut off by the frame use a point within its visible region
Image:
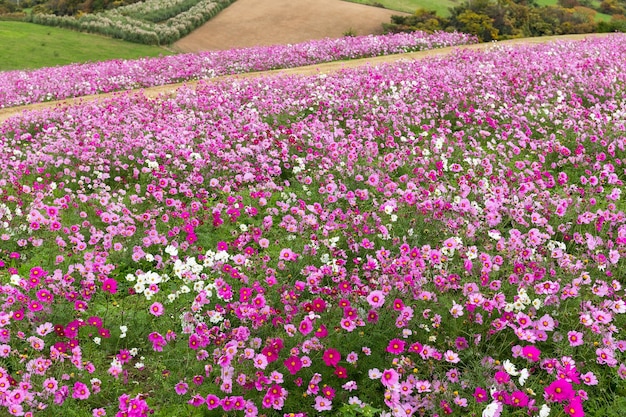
[611, 7]
[422, 19]
[478, 24]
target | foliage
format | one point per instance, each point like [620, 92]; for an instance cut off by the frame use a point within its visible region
[410, 6]
[422, 19]
[154, 22]
[616, 24]
[503, 19]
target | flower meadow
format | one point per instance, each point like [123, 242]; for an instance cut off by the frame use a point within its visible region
[423, 238]
[56, 83]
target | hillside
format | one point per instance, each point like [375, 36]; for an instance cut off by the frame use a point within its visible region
[251, 22]
[425, 236]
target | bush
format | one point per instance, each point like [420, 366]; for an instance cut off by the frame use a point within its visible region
[137, 23]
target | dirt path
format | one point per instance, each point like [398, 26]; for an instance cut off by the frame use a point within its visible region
[248, 23]
[154, 92]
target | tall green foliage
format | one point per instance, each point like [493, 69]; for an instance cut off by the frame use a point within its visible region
[501, 19]
[154, 22]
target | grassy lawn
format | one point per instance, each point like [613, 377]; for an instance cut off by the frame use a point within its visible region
[28, 46]
[602, 17]
[410, 6]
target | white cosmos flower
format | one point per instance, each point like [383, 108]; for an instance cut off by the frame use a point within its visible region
[509, 367]
[492, 410]
[524, 374]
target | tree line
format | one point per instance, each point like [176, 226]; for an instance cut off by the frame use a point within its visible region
[507, 19]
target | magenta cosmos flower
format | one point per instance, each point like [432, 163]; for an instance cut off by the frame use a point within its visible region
[559, 391]
[331, 357]
[531, 353]
[574, 407]
[396, 346]
[293, 364]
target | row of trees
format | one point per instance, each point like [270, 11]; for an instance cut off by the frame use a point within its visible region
[77, 7]
[505, 19]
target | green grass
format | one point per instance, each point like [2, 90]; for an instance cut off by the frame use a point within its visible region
[29, 46]
[603, 17]
[410, 6]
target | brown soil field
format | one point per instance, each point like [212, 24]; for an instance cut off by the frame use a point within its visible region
[248, 23]
[170, 89]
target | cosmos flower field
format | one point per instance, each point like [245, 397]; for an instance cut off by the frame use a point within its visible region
[77, 80]
[428, 238]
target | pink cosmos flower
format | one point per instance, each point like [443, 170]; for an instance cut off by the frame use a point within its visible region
[197, 400]
[98, 412]
[341, 372]
[589, 378]
[50, 384]
[389, 378]
[321, 332]
[559, 391]
[423, 386]
[502, 377]
[227, 403]
[372, 316]
[123, 356]
[287, 254]
[45, 296]
[331, 357]
[156, 309]
[453, 375]
[109, 285]
[306, 326]
[260, 361]
[605, 356]
[546, 323]
[352, 358]
[376, 298]
[35, 305]
[398, 304]
[480, 395]
[531, 353]
[347, 324]
[95, 321]
[158, 342]
[212, 401]
[519, 399]
[328, 392]
[574, 407]
[80, 391]
[322, 404]
[451, 357]
[181, 388]
[293, 364]
[396, 346]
